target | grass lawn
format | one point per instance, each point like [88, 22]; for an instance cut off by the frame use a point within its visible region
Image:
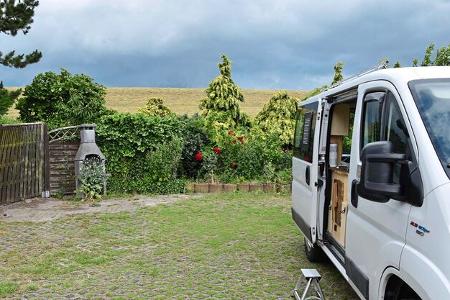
[234, 246]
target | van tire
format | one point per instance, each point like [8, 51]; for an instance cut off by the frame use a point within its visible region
[313, 252]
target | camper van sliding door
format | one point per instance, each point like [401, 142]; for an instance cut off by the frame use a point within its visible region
[304, 190]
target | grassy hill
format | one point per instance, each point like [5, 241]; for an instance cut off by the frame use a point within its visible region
[182, 100]
[179, 100]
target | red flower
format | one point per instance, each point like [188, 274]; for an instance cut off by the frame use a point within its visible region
[231, 133]
[198, 156]
[217, 150]
[234, 165]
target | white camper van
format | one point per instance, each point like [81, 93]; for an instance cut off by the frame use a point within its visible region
[371, 181]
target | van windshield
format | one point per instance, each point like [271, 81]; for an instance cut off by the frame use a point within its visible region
[432, 97]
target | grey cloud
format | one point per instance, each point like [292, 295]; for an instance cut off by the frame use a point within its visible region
[273, 44]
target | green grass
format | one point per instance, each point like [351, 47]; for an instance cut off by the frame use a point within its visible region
[229, 246]
[7, 288]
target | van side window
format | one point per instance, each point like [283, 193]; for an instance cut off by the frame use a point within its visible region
[385, 123]
[304, 132]
[395, 130]
[373, 104]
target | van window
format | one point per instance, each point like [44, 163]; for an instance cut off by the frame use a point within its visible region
[372, 118]
[395, 130]
[432, 97]
[304, 132]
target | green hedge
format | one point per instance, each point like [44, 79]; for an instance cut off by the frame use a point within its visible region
[152, 154]
[143, 152]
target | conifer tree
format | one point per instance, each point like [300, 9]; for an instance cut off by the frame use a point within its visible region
[15, 16]
[223, 97]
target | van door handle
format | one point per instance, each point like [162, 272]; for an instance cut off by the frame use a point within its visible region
[307, 175]
[354, 195]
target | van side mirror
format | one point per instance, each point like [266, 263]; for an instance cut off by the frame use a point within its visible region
[377, 172]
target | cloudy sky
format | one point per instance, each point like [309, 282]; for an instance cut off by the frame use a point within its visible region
[284, 44]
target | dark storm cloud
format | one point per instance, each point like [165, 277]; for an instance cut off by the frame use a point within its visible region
[273, 44]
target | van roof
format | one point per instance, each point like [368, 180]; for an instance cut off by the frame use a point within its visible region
[396, 76]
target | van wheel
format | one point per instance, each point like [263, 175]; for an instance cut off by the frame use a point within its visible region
[313, 252]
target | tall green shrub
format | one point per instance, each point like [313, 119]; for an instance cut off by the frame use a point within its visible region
[221, 106]
[62, 99]
[143, 152]
[278, 117]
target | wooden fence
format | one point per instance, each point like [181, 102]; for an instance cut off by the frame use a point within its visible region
[62, 166]
[23, 162]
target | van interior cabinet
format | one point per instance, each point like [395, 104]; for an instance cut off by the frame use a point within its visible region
[337, 215]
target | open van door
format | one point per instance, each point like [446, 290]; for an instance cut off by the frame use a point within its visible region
[304, 174]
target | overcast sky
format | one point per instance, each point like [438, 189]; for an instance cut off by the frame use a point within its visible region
[290, 44]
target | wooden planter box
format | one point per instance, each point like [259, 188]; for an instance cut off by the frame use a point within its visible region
[243, 187]
[201, 188]
[215, 187]
[255, 187]
[229, 187]
[284, 188]
[269, 187]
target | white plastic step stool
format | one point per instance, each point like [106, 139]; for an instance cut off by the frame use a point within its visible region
[313, 277]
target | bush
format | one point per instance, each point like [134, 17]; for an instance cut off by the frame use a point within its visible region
[246, 157]
[195, 139]
[92, 178]
[8, 120]
[155, 107]
[143, 152]
[278, 117]
[62, 100]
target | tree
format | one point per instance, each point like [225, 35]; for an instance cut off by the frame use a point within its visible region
[338, 77]
[62, 100]
[441, 58]
[155, 107]
[278, 117]
[397, 65]
[15, 16]
[223, 97]
[427, 58]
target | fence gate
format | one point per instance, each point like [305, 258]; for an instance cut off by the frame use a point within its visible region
[23, 162]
